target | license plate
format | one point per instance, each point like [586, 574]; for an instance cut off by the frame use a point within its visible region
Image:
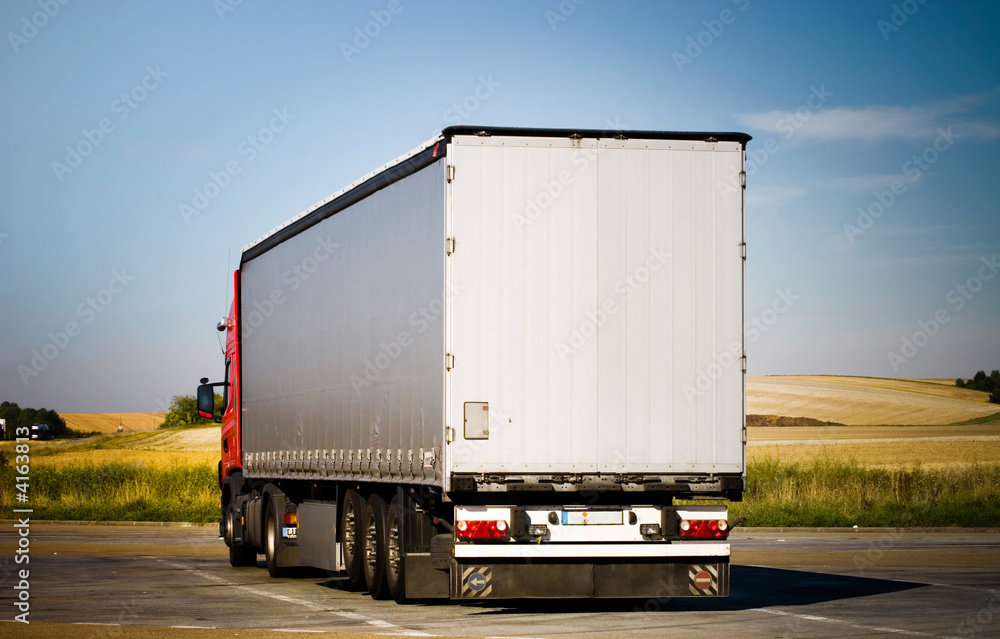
[592, 517]
[289, 533]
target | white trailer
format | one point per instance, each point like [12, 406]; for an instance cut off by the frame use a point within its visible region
[490, 368]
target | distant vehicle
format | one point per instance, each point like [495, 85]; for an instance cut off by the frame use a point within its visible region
[491, 368]
[41, 431]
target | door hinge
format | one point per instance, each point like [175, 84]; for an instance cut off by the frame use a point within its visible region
[743, 179]
[743, 363]
[449, 245]
[449, 434]
[449, 361]
[743, 250]
[451, 172]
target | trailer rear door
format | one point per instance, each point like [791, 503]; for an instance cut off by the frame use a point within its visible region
[596, 308]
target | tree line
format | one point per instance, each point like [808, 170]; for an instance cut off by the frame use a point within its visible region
[983, 382]
[14, 416]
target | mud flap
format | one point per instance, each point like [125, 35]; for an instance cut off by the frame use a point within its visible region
[521, 579]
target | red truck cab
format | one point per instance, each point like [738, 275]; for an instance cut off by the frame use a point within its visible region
[230, 418]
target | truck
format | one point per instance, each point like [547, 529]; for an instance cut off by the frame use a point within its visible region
[508, 364]
[41, 431]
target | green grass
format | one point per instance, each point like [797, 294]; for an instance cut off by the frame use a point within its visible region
[823, 493]
[838, 493]
[988, 419]
[116, 492]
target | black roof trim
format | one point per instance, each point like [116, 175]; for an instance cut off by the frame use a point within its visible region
[375, 183]
[451, 131]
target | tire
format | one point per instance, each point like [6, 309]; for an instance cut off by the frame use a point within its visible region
[224, 503]
[272, 539]
[351, 538]
[239, 554]
[374, 548]
[394, 574]
[227, 526]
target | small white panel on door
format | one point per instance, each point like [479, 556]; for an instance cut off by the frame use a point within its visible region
[477, 420]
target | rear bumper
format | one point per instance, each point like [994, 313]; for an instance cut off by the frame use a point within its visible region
[547, 578]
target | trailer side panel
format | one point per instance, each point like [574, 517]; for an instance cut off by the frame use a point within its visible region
[343, 342]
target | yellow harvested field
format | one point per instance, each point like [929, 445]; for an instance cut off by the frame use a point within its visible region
[818, 434]
[946, 381]
[931, 454]
[108, 422]
[932, 447]
[864, 400]
[159, 460]
[207, 439]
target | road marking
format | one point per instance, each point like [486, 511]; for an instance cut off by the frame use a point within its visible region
[991, 591]
[195, 627]
[378, 623]
[898, 631]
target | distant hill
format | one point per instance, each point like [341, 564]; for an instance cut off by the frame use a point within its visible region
[108, 422]
[866, 400]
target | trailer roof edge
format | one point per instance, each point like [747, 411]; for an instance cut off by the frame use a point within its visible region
[427, 153]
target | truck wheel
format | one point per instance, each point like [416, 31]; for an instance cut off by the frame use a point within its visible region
[227, 526]
[374, 548]
[351, 537]
[395, 582]
[272, 539]
[239, 554]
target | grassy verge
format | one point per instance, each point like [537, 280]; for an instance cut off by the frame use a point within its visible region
[116, 491]
[826, 492]
[830, 492]
[989, 419]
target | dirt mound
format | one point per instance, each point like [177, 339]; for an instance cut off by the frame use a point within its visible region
[777, 420]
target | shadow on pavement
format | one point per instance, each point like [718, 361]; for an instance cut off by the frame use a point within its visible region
[750, 587]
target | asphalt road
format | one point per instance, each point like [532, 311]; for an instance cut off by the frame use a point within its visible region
[152, 581]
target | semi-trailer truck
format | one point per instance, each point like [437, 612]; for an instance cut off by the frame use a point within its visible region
[508, 364]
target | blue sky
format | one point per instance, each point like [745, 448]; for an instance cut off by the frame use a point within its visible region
[872, 228]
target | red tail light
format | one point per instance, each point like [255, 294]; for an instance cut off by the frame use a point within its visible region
[704, 529]
[482, 529]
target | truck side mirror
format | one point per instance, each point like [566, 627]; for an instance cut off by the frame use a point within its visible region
[206, 400]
